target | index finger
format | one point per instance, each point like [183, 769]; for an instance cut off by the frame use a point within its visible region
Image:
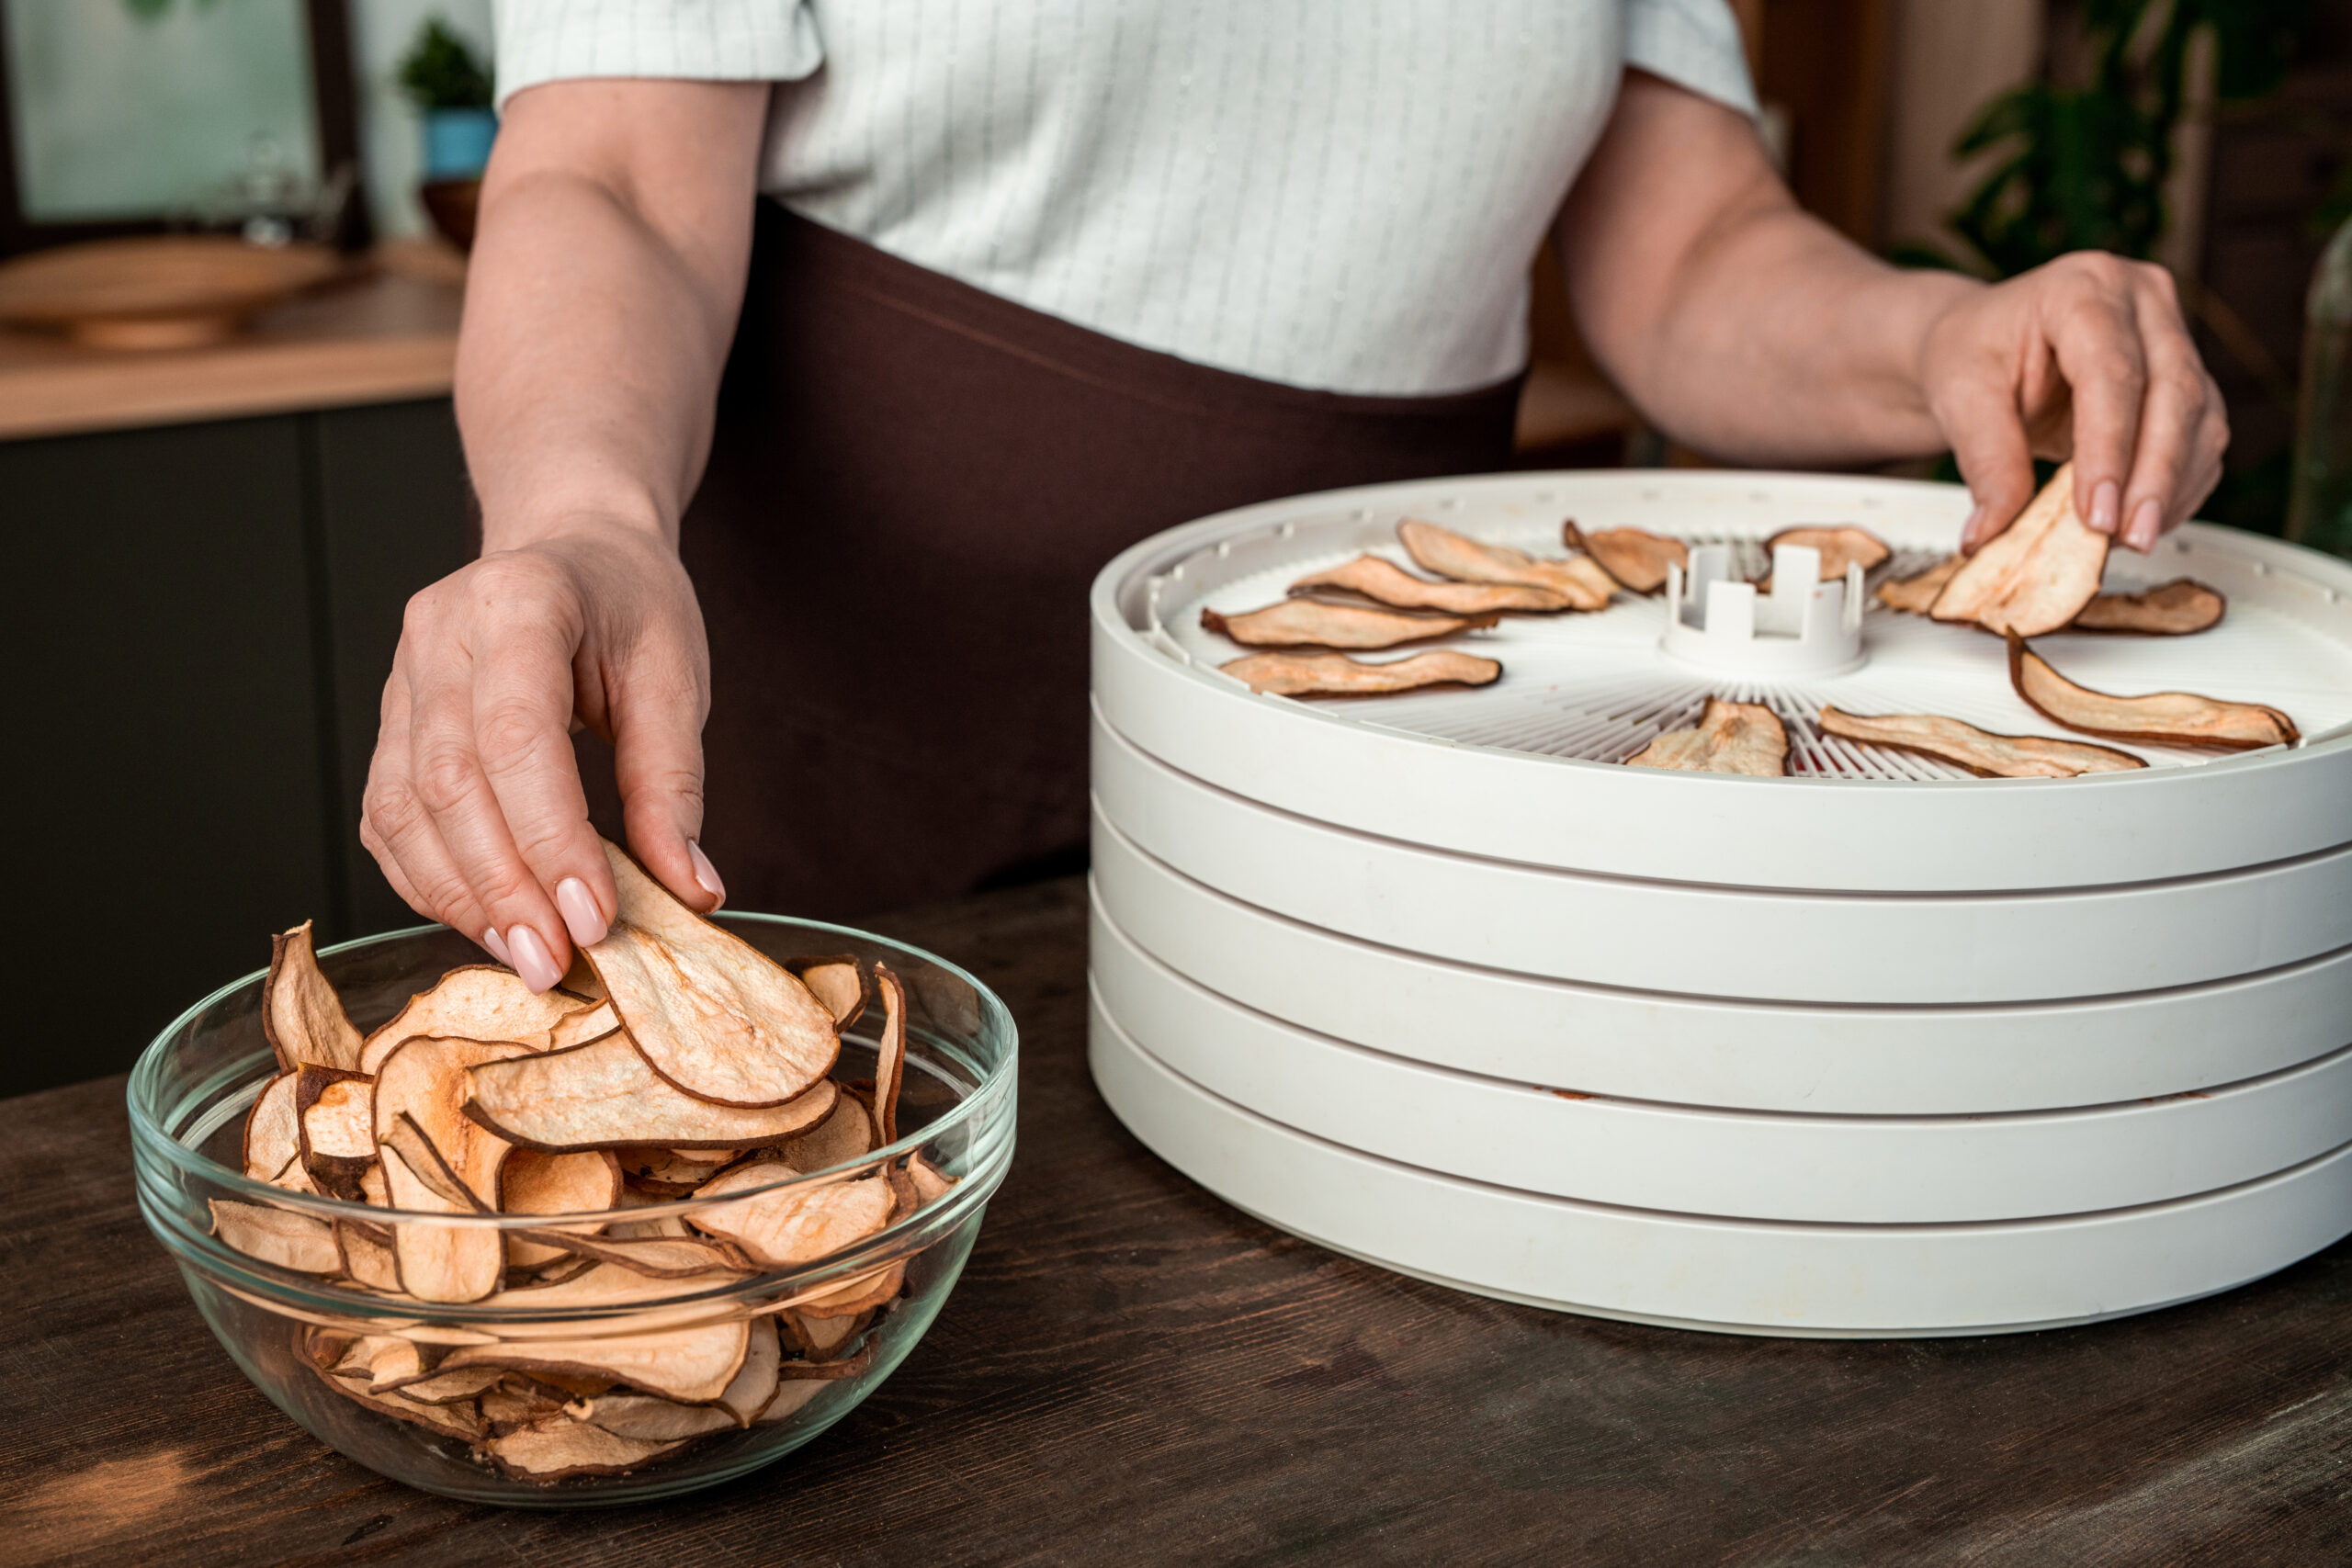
[2095, 336]
[523, 708]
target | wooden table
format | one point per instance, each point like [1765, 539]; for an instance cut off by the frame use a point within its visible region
[1133, 1373]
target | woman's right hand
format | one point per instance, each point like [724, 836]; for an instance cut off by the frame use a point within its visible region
[474, 807]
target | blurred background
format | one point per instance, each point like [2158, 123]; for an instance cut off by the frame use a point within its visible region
[232, 257]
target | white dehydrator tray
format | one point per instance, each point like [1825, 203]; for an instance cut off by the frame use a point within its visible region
[1525, 771]
[1724, 941]
[1870, 1061]
[1876, 1048]
[1737, 1163]
[1739, 1276]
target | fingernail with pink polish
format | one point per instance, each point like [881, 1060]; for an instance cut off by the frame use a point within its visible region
[532, 959]
[494, 947]
[2107, 506]
[2146, 523]
[706, 874]
[580, 916]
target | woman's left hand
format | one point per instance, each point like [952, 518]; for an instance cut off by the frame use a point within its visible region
[2090, 357]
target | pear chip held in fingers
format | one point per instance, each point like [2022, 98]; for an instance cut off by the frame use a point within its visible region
[2037, 575]
[708, 1011]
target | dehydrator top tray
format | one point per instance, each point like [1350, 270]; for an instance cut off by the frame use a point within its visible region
[1532, 764]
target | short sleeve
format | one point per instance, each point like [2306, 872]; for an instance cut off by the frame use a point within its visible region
[1693, 43]
[712, 40]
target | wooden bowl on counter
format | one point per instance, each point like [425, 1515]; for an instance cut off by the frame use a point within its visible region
[168, 291]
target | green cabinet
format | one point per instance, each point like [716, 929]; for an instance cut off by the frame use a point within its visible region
[202, 618]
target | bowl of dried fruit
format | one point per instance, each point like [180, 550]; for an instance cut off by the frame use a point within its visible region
[625, 1239]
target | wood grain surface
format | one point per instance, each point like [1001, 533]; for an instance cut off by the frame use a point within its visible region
[1133, 1373]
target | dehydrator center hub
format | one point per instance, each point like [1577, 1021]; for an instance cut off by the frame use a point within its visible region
[1876, 1048]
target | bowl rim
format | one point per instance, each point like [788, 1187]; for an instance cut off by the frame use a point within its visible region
[994, 1083]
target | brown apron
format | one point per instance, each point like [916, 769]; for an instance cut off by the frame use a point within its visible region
[912, 485]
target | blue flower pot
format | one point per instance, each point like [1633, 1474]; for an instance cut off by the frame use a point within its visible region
[456, 142]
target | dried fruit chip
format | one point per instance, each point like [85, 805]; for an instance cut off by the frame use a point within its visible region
[1579, 579]
[1840, 548]
[1636, 559]
[481, 1001]
[859, 1292]
[437, 1263]
[1980, 752]
[646, 1418]
[534, 1182]
[889, 1053]
[1916, 594]
[292, 1241]
[2037, 575]
[300, 1015]
[797, 1224]
[820, 1338]
[367, 1259]
[791, 1396]
[274, 1129]
[839, 981]
[658, 1257]
[1731, 737]
[447, 1388]
[2175, 718]
[334, 1118]
[1337, 675]
[424, 1081]
[693, 1365]
[605, 1095]
[554, 1450]
[1310, 623]
[844, 1136]
[459, 1420]
[1385, 582]
[754, 1382]
[708, 1011]
[2172, 609]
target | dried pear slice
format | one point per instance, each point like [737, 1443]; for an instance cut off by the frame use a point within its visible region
[383, 1359]
[890, 1053]
[828, 1371]
[425, 1080]
[605, 1095]
[556, 1449]
[646, 1418]
[515, 1401]
[1730, 737]
[372, 1189]
[794, 1224]
[447, 1388]
[1337, 675]
[792, 1395]
[461, 1419]
[481, 1001]
[367, 1259]
[658, 1257]
[438, 1263]
[1579, 579]
[2177, 608]
[708, 1011]
[2171, 718]
[1842, 546]
[605, 1285]
[820, 1336]
[1916, 594]
[1311, 622]
[295, 1242]
[579, 1028]
[533, 1182]
[301, 1014]
[274, 1129]
[2037, 575]
[860, 1292]
[930, 1183]
[671, 1172]
[1982, 752]
[844, 1136]
[1385, 582]
[1638, 560]
[334, 1116]
[691, 1365]
[754, 1382]
[839, 981]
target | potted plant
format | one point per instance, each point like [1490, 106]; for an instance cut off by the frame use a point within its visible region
[450, 86]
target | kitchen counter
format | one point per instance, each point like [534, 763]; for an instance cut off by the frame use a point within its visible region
[1133, 1372]
[387, 334]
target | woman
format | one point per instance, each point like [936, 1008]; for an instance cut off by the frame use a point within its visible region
[1039, 277]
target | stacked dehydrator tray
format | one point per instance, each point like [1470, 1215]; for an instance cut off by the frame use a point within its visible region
[1877, 1048]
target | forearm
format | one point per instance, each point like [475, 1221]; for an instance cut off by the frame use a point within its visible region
[1739, 323]
[600, 302]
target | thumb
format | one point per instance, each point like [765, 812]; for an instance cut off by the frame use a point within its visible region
[657, 762]
[1989, 442]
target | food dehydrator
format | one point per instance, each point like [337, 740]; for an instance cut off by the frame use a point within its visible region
[1877, 1048]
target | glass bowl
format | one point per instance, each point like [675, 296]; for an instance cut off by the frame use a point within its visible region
[286, 1330]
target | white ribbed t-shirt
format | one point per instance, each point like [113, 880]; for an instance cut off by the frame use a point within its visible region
[1336, 194]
